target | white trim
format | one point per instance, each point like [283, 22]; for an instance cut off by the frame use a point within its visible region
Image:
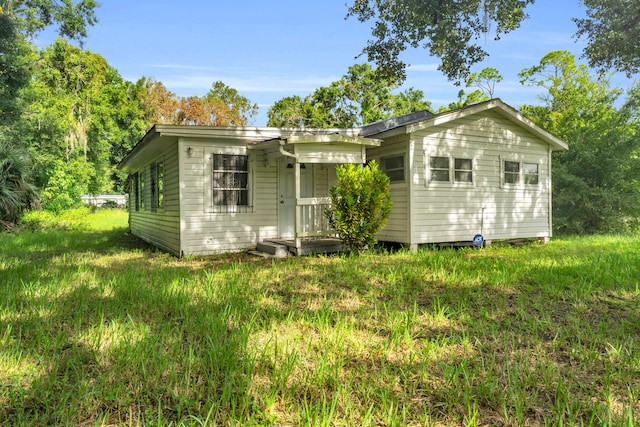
[521, 181]
[207, 180]
[452, 155]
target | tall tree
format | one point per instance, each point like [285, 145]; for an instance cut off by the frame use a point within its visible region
[228, 107]
[71, 18]
[82, 119]
[448, 29]
[160, 103]
[20, 20]
[16, 60]
[485, 81]
[612, 29]
[361, 96]
[221, 106]
[595, 182]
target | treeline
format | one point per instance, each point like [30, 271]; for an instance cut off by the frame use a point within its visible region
[67, 118]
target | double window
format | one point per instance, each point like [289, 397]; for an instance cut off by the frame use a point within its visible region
[450, 169]
[514, 173]
[230, 180]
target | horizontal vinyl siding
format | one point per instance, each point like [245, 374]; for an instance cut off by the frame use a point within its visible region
[321, 181]
[334, 153]
[456, 212]
[162, 226]
[206, 232]
[397, 227]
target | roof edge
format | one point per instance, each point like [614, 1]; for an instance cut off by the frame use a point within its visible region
[495, 104]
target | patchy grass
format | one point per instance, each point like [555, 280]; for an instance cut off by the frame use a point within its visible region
[98, 329]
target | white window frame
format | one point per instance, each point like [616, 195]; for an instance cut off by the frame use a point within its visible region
[142, 188]
[452, 156]
[209, 206]
[157, 202]
[521, 173]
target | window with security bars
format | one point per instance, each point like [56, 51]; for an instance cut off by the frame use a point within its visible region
[230, 180]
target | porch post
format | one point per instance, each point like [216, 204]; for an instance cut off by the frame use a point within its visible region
[297, 209]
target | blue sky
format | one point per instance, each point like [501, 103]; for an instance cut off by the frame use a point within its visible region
[269, 50]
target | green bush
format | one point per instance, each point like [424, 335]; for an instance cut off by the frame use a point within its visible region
[71, 219]
[360, 204]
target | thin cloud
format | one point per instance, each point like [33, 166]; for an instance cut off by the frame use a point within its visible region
[249, 82]
[423, 67]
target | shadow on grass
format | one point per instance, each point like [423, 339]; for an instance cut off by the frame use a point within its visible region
[95, 327]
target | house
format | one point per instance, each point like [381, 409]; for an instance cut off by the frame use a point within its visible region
[484, 169]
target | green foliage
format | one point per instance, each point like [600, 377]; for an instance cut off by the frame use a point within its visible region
[361, 96]
[67, 182]
[80, 110]
[446, 28]
[15, 61]
[16, 190]
[612, 33]
[360, 204]
[596, 183]
[485, 80]
[46, 221]
[231, 108]
[33, 16]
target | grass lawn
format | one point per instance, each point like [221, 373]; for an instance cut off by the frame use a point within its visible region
[98, 329]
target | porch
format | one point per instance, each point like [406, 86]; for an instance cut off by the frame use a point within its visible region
[306, 168]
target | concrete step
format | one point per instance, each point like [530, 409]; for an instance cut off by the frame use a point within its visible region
[274, 249]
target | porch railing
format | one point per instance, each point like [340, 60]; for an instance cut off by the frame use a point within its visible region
[310, 218]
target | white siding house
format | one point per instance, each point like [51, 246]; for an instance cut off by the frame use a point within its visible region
[198, 190]
[484, 169]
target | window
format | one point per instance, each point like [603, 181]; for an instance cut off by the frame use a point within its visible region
[134, 191]
[530, 173]
[141, 189]
[230, 180]
[157, 185]
[515, 173]
[440, 169]
[393, 167]
[511, 172]
[463, 171]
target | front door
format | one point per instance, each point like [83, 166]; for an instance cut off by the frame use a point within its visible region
[287, 194]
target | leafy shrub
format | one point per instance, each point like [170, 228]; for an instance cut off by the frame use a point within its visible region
[360, 204]
[49, 221]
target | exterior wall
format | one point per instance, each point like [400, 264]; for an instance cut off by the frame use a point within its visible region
[321, 179]
[205, 231]
[450, 212]
[398, 224]
[159, 226]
